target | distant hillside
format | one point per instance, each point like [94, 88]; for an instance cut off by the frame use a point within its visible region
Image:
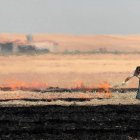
[124, 43]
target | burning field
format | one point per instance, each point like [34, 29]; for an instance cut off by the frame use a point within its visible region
[49, 97]
[37, 111]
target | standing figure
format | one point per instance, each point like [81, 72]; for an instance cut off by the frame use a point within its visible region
[137, 74]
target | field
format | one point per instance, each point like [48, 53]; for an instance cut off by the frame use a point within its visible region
[36, 115]
[66, 70]
[31, 108]
[83, 43]
[70, 122]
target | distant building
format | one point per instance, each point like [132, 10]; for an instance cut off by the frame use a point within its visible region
[6, 47]
[46, 45]
[10, 47]
[28, 47]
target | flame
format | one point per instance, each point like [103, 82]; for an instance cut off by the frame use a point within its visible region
[106, 88]
[14, 84]
[103, 92]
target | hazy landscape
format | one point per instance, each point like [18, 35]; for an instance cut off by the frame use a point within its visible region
[83, 43]
[78, 76]
[64, 66]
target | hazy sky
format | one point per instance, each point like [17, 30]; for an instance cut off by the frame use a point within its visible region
[70, 16]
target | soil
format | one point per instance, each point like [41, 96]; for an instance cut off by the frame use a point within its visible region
[105, 122]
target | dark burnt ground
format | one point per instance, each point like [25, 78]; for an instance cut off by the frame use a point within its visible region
[109, 122]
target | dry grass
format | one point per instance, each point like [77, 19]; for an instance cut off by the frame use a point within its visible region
[8, 95]
[117, 99]
[65, 70]
[127, 43]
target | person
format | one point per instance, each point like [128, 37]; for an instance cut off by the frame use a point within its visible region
[136, 73]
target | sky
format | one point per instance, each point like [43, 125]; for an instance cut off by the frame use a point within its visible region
[70, 16]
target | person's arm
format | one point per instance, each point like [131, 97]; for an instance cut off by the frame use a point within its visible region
[127, 79]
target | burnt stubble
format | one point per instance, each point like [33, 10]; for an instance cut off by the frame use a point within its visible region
[119, 122]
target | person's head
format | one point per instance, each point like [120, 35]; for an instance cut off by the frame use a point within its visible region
[138, 69]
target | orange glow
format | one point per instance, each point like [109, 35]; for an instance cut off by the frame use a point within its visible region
[103, 88]
[14, 84]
